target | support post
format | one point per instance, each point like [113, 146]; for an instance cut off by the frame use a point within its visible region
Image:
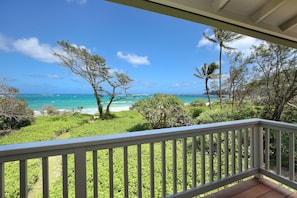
[258, 149]
[80, 173]
[2, 183]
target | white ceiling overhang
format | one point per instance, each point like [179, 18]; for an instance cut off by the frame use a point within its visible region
[272, 20]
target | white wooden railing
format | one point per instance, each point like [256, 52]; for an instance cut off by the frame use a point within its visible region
[173, 162]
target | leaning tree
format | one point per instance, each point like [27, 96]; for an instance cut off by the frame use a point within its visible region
[119, 80]
[93, 69]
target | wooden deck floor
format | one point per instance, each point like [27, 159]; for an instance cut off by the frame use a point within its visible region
[260, 188]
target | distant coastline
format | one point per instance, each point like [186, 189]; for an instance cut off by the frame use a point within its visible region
[71, 102]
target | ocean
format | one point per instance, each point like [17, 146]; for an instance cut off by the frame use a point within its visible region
[88, 103]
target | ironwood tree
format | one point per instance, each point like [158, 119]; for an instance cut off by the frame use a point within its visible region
[119, 80]
[91, 68]
[275, 69]
[238, 78]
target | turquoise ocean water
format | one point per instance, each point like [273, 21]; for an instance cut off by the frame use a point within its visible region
[87, 101]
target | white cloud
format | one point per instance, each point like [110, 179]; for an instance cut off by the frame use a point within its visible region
[53, 76]
[112, 71]
[30, 47]
[245, 44]
[77, 1]
[184, 84]
[50, 76]
[4, 43]
[133, 58]
[204, 42]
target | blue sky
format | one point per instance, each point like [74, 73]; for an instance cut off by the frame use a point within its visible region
[158, 52]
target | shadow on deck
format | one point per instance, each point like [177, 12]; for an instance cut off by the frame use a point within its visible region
[252, 188]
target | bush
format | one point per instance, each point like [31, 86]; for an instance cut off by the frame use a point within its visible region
[49, 111]
[198, 103]
[163, 111]
[14, 114]
[226, 115]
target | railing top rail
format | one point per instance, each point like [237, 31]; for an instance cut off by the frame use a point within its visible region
[278, 125]
[123, 139]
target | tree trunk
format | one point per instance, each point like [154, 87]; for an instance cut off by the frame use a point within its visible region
[278, 111]
[207, 92]
[220, 77]
[99, 105]
[110, 101]
[233, 98]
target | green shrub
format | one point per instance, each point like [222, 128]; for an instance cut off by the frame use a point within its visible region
[163, 111]
[14, 114]
[198, 103]
[223, 115]
[195, 112]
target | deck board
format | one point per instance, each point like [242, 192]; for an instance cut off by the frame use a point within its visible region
[255, 188]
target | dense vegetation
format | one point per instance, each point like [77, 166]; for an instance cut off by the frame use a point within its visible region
[14, 113]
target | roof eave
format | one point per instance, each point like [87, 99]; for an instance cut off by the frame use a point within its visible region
[215, 21]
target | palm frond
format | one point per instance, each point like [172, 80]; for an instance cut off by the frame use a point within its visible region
[209, 39]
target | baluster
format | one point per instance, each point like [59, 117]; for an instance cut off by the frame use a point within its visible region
[185, 164]
[267, 148]
[233, 153]
[252, 147]
[152, 169]
[246, 148]
[2, 182]
[278, 153]
[65, 175]
[95, 174]
[126, 177]
[203, 159]
[194, 162]
[292, 156]
[239, 150]
[111, 182]
[211, 157]
[139, 171]
[226, 149]
[219, 155]
[163, 161]
[45, 179]
[23, 178]
[174, 174]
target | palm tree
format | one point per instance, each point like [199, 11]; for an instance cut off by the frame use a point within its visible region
[207, 72]
[221, 37]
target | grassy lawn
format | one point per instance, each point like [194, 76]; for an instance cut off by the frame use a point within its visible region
[72, 126]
